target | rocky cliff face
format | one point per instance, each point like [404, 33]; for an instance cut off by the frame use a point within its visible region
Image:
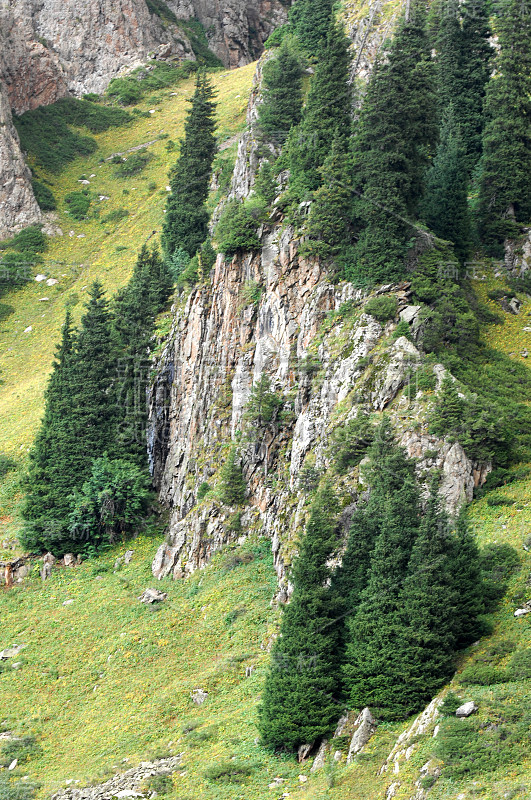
[236, 29]
[325, 357]
[18, 206]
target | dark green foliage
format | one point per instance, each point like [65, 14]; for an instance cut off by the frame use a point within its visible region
[448, 413]
[374, 662]
[445, 206]
[463, 69]
[328, 228]
[135, 309]
[111, 504]
[263, 403]
[46, 132]
[186, 220]
[13, 788]
[160, 8]
[161, 784]
[472, 747]
[265, 184]
[115, 216]
[229, 771]
[178, 262]
[496, 387]
[49, 480]
[198, 39]
[156, 75]
[44, 196]
[350, 443]
[233, 486]
[22, 749]
[311, 21]
[403, 329]
[410, 587]
[395, 135]
[505, 189]
[450, 704]
[236, 231]
[432, 607]
[31, 238]
[298, 701]
[132, 165]
[326, 115]
[498, 563]
[483, 675]
[309, 478]
[276, 38]
[468, 584]
[202, 491]
[382, 307]
[520, 664]
[6, 465]
[78, 204]
[282, 95]
[497, 499]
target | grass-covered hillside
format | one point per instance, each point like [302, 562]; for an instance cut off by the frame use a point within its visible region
[103, 246]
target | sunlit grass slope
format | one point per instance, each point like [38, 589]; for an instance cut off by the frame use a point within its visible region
[94, 249]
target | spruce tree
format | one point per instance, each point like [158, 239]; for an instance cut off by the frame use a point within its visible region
[134, 311]
[232, 489]
[95, 413]
[49, 480]
[477, 55]
[328, 229]
[467, 584]
[263, 403]
[504, 201]
[311, 21]
[282, 95]
[326, 115]
[448, 415]
[299, 700]
[186, 220]
[429, 604]
[395, 135]
[445, 205]
[373, 666]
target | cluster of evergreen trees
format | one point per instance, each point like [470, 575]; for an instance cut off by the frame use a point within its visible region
[96, 407]
[433, 128]
[383, 629]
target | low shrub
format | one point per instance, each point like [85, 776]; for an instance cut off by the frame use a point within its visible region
[450, 704]
[233, 615]
[46, 132]
[12, 788]
[160, 784]
[134, 164]
[78, 204]
[350, 443]
[402, 329]
[497, 499]
[20, 749]
[233, 771]
[198, 737]
[382, 308]
[498, 563]
[203, 490]
[116, 215]
[520, 664]
[30, 239]
[483, 675]
[44, 196]
[155, 75]
[236, 231]
[6, 465]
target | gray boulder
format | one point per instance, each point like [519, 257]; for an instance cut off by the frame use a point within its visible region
[150, 596]
[466, 709]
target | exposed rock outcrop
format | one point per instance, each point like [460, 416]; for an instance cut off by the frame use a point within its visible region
[124, 784]
[18, 206]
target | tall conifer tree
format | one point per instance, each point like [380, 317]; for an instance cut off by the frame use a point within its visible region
[49, 482]
[445, 205]
[505, 188]
[311, 20]
[282, 93]
[300, 695]
[186, 221]
[396, 132]
[326, 115]
[373, 665]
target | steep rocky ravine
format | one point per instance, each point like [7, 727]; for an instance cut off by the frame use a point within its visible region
[222, 341]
